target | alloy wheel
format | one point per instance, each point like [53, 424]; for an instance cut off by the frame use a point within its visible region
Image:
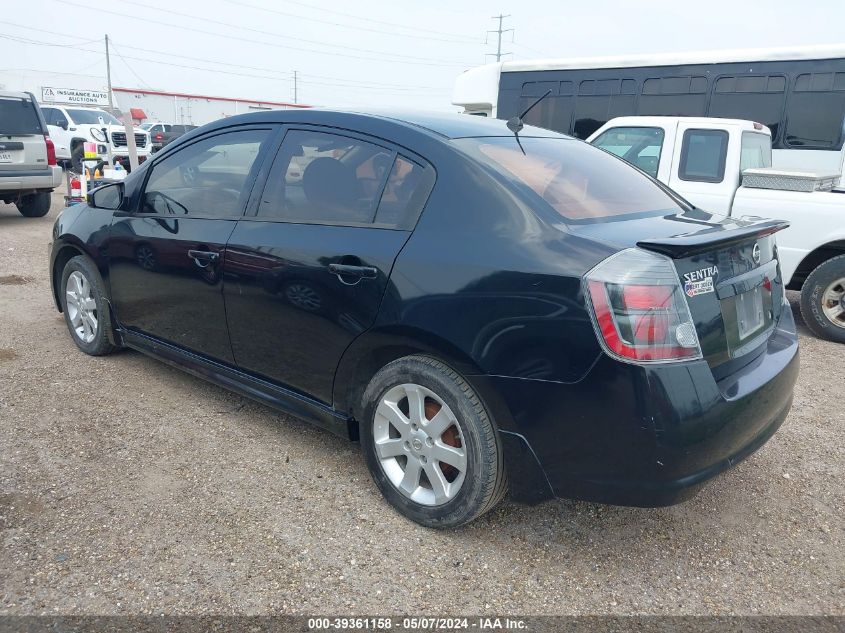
[833, 302]
[419, 444]
[81, 307]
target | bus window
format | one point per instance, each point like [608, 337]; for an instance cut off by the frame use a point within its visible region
[674, 96]
[600, 100]
[816, 110]
[754, 97]
[639, 146]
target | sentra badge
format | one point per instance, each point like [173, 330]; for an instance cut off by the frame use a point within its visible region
[699, 282]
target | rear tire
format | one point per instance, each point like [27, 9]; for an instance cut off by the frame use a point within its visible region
[823, 300]
[442, 467]
[85, 307]
[34, 205]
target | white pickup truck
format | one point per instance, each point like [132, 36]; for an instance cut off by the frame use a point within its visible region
[723, 166]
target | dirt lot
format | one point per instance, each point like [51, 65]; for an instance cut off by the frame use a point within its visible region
[129, 487]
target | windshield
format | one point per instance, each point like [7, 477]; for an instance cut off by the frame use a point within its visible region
[146, 126]
[18, 116]
[92, 117]
[578, 181]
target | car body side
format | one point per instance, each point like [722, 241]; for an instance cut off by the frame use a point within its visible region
[493, 287]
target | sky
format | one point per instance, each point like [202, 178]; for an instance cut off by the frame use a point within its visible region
[365, 53]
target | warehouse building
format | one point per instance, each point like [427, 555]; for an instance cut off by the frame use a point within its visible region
[146, 106]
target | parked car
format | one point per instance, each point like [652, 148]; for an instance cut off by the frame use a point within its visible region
[706, 160]
[71, 126]
[28, 169]
[464, 301]
[163, 133]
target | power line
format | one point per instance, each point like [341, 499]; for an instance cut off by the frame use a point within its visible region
[404, 59]
[126, 63]
[353, 87]
[456, 39]
[337, 80]
[382, 22]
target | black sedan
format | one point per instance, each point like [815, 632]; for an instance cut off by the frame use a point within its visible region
[485, 307]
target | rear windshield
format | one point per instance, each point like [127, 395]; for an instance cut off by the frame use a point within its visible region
[18, 116]
[92, 117]
[578, 181]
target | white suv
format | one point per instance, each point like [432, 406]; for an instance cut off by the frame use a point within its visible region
[28, 169]
[71, 126]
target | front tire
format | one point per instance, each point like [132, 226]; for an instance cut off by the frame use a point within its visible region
[823, 300]
[34, 205]
[430, 444]
[85, 307]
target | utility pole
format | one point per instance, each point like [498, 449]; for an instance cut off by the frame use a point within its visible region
[294, 87]
[128, 127]
[498, 33]
[108, 73]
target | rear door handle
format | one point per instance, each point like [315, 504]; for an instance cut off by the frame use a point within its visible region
[203, 259]
[360, 272]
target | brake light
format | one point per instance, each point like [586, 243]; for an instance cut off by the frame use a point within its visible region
[159, 136]
[51, 151]
[640, 310]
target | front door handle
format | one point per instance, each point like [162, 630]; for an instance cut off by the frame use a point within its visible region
[359, 272]
[203, 259]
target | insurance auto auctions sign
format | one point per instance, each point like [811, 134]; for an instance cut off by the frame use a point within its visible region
[74, 96]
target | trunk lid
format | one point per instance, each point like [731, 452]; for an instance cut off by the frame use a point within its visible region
[727, 268]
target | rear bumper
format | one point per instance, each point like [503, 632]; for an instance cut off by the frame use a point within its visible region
[30, 180]
[649, 435]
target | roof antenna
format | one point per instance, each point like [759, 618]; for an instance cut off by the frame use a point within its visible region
[515, 124]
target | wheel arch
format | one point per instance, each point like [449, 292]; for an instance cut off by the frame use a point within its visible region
[63, 256]
[813, 259]
[376, 348]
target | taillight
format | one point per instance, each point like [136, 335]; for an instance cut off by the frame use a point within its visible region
[640, 310]
[159, 136]
[51, 151]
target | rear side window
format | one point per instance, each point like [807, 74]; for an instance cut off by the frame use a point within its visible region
[322, 178]
[639, 146]
[210, 178]
[18, 116]
[756, 151]
[580, 182]
[703, 155]
[405, 193]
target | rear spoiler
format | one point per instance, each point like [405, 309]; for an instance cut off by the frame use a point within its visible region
[719, 235]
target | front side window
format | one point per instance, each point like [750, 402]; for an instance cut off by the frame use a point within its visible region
[640, 146]
[703, 155]
[756, 151]
[210, 178]
[319, 177]
[92, 117]
[579, 182]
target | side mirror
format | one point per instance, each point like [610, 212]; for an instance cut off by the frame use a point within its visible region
[62, 124]
[106, 197]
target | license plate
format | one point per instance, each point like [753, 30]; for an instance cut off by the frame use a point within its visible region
[5, 157]
[750, 316]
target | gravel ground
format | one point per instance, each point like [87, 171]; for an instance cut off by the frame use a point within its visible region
[130, 487]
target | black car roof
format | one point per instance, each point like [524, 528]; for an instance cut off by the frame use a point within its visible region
[443, 124]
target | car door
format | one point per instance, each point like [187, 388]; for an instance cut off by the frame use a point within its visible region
[306, 270]
[166, 256]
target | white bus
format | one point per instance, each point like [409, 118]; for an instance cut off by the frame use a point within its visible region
[799, 93]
